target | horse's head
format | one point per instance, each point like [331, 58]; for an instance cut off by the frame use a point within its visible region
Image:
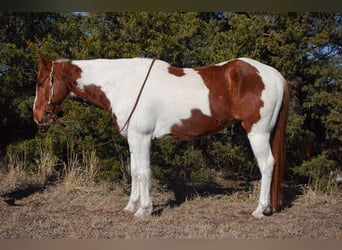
[51, 90]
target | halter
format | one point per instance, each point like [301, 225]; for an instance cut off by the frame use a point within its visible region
[52, 94]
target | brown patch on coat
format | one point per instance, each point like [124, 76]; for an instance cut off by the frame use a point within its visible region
[96, 96]
[234, 93]
[197, 125]
[176, 71]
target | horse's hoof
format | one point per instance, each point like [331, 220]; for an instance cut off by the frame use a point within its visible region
[267, 211]
[142, 213]
[256, 215]
[253, 217]
[126, 213]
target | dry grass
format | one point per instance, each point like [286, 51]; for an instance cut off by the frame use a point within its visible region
[96, 213]
[77, 207]
[19, 177]
[79, 175]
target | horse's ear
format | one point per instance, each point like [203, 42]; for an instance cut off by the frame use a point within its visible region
[43, 61]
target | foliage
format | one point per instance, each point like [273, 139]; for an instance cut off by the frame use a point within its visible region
[304, 47]
[318, 170]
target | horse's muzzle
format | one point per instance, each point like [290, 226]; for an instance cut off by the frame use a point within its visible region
[45, 120]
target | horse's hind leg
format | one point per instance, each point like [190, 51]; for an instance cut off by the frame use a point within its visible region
[260, 143]
[140, 201]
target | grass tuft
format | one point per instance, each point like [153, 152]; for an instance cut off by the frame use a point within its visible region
[80, 175]
[20, 175]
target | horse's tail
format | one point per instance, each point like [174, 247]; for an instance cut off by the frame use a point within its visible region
[278, 150]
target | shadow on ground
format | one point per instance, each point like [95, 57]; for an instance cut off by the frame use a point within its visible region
[11, 197]
[183, 192]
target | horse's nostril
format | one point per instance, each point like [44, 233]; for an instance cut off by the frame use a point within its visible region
[47, 119]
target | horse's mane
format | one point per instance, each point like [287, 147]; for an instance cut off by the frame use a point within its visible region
[63, 60]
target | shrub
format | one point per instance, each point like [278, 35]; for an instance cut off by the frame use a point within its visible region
[317, 171]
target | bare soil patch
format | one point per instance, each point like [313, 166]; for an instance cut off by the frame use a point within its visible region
[51, 213]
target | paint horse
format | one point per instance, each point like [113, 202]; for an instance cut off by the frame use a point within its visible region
[182, 103]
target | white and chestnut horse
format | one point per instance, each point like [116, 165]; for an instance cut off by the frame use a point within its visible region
[151, 99]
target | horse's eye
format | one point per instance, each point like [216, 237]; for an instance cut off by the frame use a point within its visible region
[40, 84]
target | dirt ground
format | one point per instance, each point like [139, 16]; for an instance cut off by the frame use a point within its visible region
[51, 213]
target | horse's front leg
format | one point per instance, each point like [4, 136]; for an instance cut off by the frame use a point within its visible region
[140, 201]
[133, 202]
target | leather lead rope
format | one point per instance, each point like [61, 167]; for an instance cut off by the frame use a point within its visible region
[138, 98]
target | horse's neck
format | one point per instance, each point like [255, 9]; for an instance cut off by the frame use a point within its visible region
[107, 73]
[110, 84]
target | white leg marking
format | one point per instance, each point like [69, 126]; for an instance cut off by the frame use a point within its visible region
[263, 153]
[134, 197]
[140, 201]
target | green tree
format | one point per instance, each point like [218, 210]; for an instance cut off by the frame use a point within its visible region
[18, 72]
